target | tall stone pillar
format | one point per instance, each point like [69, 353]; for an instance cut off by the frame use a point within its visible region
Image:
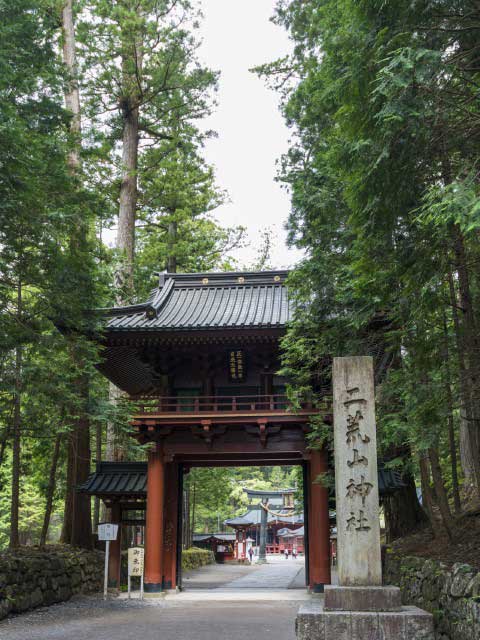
[356, 473]
[170, 537]
[154, 530]
[359, 608]
[114, 556]
[318, 525]
[262, 554]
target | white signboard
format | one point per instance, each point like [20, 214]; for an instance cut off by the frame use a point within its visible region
[135, 561]
[107, 531]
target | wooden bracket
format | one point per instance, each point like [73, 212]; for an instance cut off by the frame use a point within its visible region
[263, 430]
[207, 432]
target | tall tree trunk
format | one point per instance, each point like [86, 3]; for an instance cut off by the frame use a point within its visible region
[453, 453]
[440, 490]
[16, 437]
[427, 499]
[77, 527]
[81, 534]
[468, 428]
[127, 212]
[72, 94]
[468, 346]
[98, 458]
[128, 202]
[403, 512]
[450, 421]
[115, 449]
[3, 444]
[172, 247]
[66, 535]
[50, 490]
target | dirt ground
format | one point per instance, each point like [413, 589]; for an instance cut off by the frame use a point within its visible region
[464, 546]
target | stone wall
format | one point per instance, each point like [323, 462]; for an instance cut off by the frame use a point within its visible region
[31, 577]
[452, 595]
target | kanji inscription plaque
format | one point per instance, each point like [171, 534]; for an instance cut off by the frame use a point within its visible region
[236, 365]
[356, 473]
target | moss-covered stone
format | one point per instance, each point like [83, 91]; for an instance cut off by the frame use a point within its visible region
[32, 577]
[452, 595]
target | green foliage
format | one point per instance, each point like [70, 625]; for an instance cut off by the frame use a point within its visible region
[195, 558]
[382, 100]
[219, 492]
[54, 267]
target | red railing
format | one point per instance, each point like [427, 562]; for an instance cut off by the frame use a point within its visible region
[209, 404]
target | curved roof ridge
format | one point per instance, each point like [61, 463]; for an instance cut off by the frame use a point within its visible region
[217, 300]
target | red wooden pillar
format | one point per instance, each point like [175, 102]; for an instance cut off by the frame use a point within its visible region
[170, 536]
[154, 528]
[114, 556]
[318, 525]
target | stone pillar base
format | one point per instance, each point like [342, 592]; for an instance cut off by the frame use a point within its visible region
[362, 598]
[409, 623]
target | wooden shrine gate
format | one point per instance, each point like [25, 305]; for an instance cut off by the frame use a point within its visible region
[164, 491]
[201, 358]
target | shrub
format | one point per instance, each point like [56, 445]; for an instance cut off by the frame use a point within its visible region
[194, 558]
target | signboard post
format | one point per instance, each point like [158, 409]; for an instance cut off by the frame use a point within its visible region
[135, 567]
[107, 531]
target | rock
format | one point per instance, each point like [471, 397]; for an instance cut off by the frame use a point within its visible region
[452, 595]
[473, 587]
[462, 576]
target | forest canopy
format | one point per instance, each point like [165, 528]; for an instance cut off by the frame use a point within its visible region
[382, 99]
[102, 135]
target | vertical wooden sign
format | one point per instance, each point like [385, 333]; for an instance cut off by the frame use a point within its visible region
[356, 472]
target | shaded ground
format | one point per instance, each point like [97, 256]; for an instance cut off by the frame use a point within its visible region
[221, 602]
[92, 619]
[462, 548]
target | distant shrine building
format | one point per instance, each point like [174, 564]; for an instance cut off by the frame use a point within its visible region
[283, 524]
[200, 358]
[283, 527]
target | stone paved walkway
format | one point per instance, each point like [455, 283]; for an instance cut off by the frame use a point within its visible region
[277, 574]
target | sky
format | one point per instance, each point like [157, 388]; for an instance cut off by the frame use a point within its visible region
[238, 35]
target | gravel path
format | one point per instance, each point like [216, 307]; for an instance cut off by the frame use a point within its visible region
[221, 602]
[90, 618]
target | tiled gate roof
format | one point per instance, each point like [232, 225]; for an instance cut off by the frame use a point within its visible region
[199, 301]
